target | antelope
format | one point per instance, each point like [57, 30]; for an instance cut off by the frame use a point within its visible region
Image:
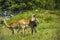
[23, 23]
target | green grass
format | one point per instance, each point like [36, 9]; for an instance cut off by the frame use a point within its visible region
[47, 29]
[42, 34]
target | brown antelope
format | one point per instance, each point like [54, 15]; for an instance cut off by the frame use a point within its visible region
[23, 23]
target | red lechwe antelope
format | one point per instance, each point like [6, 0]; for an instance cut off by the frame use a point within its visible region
[23, 23]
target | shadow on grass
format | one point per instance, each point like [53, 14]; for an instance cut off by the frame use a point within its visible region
[58, 34]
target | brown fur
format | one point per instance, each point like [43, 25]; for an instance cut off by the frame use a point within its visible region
[23, 23]
[11, 26]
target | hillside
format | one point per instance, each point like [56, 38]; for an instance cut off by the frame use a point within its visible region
[47, 29]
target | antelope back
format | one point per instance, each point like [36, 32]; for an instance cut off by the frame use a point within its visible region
[24, 21]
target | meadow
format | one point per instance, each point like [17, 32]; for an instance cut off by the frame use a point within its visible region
[47, 29]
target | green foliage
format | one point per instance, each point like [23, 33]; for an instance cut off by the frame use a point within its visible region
[29, 4]
[14, 6]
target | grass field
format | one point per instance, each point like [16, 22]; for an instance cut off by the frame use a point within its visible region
[47, 29]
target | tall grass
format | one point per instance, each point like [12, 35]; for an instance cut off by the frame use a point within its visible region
[47, 29]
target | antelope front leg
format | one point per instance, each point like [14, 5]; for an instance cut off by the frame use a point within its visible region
[35, 29]
[32, 31]
[23, 30]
